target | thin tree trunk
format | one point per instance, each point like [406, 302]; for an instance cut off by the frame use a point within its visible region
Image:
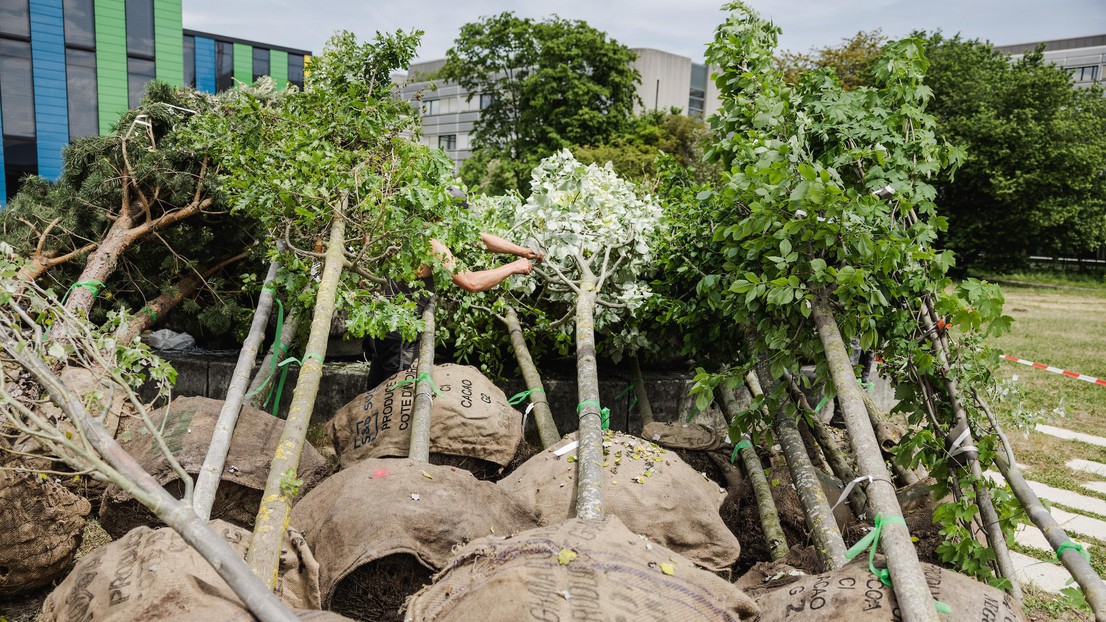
[835, 456]
[1093, 588]
[268, 367]
[177, 514]
[876, 416]
[101, 263]
[543, 417]
[276, 502]
[995, 538]
[424, 394]
[207, 482]
[823, 526]
[766, 505]
[911, 590]
[644, 407]
[39, 262]
[589, 456]
[812, 449]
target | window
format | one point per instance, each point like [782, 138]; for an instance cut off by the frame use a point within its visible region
[140, 28]
[80, 30]
[260, 62]
[1084, 74]
[697, 97]
[432, 107]
[140, 71]
[20, 160]
[224, 65]
[15, 18]
[486, 100]
[447, 142]
[80, 82]
[190, 61]
[17, 102]
[295, 70]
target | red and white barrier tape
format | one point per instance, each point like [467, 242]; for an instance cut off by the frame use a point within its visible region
[1056, 370]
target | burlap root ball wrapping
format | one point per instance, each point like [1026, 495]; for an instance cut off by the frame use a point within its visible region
[853, 593]
[153, 574]
[383, 507]
[577, 570]
[470, 418]
[40, 529]
[650, 489]
[683, 435]
[188, 433]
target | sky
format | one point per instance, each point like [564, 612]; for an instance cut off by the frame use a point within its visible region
[679, 26]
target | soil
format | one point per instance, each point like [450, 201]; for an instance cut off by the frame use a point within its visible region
[234, 503]
[483, 469]
[375, 591]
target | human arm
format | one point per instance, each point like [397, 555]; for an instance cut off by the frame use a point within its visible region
[473, 281]
[496, 244]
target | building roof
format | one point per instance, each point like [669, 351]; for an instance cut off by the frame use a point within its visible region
[256, 44]
[1054, 45]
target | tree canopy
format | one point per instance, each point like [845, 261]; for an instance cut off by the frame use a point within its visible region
[545, 85]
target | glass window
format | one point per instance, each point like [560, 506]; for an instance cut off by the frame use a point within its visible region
[80, 81]
[224, 65]
[295, 70]
[80, 30]
[447, 142]
[431, 107]
[140, 71]
[486, 100]
[260, 62]
[190, 61]
[17, 93]
[20, 160]
[15, 18]
[140, 28]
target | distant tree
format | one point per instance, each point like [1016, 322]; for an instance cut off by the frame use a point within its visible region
[852, 60]
[633, 151]
[1036, 155]
[545, 85]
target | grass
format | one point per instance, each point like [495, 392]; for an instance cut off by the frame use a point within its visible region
[1060, 320]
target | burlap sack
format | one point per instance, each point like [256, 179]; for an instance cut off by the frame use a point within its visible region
[470, 418]
[853, 593]
[153, 574]
[40, 529]
[576, 570]
[191, 423]
[649, 488]
[387, 507]
[682, 435]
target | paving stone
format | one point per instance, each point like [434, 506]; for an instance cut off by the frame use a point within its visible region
[1071, 436]
[1087, 466]
[1029, 535]
[1099, 487]
[1048, 577]
[1059, 495]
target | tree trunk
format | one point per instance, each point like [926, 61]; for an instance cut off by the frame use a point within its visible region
[424, 393]
[178, 515]
[101, 263]
[268, 367]
[766, 505]
[819, 517]
[644, 407]
[280, 488]
[543, 417]
[207, 482]
[876, 417]
[911, 590]
[589, 456]
[1093, 588]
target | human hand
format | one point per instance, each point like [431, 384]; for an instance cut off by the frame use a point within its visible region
[534, 255]
[522, 266]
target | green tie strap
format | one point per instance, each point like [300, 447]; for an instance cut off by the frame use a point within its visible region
[738, 447]
[423, 376]
[871, 542]
[279, 387]
[633, 396]
[822, 403]
[91, 285]
[150, 312]
[867, 386]
[604, 413]
[1069, 545]
[517, 398]
[277, 345]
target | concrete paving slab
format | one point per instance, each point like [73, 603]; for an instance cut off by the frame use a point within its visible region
[1049, 577]
[1059, 495]
[1071, 436]
[1029, 535]
[1099, 487]
[1087, 466]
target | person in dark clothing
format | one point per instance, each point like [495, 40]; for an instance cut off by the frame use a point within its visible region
[392, 354]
